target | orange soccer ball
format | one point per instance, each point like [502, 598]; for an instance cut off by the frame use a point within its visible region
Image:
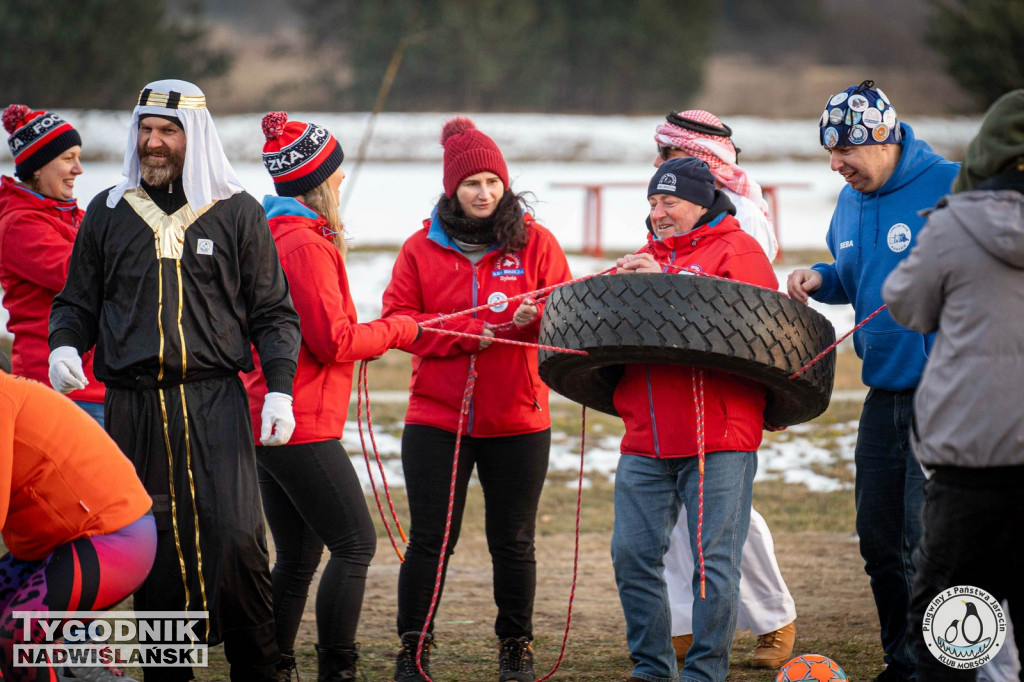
[811, 668]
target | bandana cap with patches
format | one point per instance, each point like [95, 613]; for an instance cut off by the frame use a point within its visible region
[859, 115]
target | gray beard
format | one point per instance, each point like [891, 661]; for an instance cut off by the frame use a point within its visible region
[158, 176]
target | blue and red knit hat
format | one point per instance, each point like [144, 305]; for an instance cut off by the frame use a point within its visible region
[37, 138]
[299, 156]
[859, 115]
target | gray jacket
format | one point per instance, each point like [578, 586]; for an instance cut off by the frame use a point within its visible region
[965, 278]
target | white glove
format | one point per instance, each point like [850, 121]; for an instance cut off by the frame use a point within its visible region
[277, 418]
[66, 373]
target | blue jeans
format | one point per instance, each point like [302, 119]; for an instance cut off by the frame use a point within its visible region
[889, 494]
[648, 495]
[95, 410]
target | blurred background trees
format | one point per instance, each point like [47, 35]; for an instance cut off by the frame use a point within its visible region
[575, 56]
[98, 53]
[757, 57]
[981, 41]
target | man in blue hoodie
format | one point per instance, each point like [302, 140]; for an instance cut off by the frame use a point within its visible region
[890, 177]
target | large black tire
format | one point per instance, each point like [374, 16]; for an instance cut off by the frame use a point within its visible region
[686, 320]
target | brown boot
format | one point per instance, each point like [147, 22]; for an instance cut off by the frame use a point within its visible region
[682, 644]
[286, 667]
[515, 660]
[336, 664]
[774, 648]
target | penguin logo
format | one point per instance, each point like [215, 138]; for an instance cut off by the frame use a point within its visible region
[964, 627]
[952, 632]
[498, 302]
[971, 618]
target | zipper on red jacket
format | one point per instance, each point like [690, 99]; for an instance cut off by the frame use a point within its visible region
[476, 296]
[650, 405]
[529, 375]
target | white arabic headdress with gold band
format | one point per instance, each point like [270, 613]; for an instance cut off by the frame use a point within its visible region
[207, 175]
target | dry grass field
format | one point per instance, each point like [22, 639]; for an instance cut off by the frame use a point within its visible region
[815, 545]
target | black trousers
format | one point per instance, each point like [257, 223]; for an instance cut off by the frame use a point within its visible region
[511, 470]
[211, 542]
[312, 497]
[972, 522]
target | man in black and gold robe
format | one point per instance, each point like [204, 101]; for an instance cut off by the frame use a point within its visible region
[174, 273]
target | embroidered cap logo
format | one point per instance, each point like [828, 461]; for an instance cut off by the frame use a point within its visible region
[667, 182]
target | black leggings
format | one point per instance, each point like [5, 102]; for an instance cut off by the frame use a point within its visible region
[312, 497]
[511, 470]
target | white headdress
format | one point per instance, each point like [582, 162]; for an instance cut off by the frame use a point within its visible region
[207, 175]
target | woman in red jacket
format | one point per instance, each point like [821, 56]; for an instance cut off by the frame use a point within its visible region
[39, 219]
[480, 245]
[74, 516]
[311, 494]
[692, 229]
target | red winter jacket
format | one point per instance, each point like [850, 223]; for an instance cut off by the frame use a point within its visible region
[656, 401]
[331, 338]
[36, 236]
[433, 276]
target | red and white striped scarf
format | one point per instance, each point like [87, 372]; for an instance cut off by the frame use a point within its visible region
[717, 151]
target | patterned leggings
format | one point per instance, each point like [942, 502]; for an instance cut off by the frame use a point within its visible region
[93, 573]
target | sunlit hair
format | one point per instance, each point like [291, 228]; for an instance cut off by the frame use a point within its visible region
[325, 202]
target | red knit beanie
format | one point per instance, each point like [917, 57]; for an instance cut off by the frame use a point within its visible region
[468, 151]
[299, 156]
[37, 138]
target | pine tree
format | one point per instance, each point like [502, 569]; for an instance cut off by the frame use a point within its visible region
[97, 53]
[981, 42]
[583, 56]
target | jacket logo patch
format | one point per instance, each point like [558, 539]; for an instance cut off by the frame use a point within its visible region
[898, 237]
[845, 245]
[509, 266]
[494, 298]
[204, 247]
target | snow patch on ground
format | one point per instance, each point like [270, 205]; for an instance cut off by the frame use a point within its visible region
[790, 457]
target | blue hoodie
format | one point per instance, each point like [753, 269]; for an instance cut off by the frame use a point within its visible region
[869, 235]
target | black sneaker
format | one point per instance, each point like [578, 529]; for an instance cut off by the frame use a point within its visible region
[405, 661]
[515, 659]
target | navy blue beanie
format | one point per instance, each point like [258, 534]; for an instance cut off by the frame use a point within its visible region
[688, 178]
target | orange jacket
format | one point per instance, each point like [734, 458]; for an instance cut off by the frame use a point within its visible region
[61, 476]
